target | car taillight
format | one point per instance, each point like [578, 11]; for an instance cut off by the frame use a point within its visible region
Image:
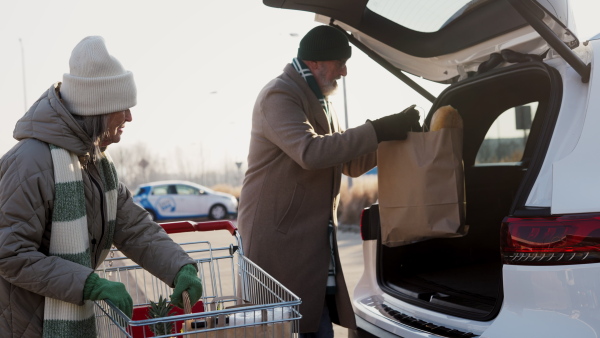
[568, 239]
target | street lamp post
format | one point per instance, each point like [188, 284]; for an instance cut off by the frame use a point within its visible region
[346, 118]
[23, 67]
[239, 166]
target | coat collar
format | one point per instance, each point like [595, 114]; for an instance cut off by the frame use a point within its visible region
[49, 121]
[316, 110]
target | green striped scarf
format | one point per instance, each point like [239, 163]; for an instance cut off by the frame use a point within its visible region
[69, 239]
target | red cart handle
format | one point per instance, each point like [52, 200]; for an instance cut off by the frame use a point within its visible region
[189, 226]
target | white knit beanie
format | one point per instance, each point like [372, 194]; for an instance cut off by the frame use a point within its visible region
[97, 83]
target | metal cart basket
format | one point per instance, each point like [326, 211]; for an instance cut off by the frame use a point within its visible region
[239, 298]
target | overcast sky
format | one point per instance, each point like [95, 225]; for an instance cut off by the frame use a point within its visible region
[198, 65]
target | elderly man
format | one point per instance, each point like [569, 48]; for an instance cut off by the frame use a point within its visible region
[298, 152]
[62, 206]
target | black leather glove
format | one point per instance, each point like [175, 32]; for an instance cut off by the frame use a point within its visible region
[396, 126]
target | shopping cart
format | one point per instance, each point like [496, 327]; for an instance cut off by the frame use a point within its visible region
[239, 298]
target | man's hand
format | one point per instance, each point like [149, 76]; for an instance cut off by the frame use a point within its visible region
[396, 126]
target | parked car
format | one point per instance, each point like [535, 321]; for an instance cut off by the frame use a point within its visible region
[169, 200]
[529, 94]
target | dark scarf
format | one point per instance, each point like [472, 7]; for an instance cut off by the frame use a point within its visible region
[307, 75]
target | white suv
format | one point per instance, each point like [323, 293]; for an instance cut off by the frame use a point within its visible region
[524, 86]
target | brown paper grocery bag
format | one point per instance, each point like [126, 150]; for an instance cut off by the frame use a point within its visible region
[421, 187]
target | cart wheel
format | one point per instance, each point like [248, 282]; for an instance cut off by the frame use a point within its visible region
[217, 211]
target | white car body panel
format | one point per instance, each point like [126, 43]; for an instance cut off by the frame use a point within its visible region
[443, 67]
[191, 204]
[562, 11]
[569, 125]
[165, 204]
[539, 301]
[575, 180]
[549, 301]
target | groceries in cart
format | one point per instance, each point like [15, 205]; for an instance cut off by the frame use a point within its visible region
[239, 298]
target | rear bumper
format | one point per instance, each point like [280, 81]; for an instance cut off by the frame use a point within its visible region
[539, 301]
[378, 318]
[368, 330]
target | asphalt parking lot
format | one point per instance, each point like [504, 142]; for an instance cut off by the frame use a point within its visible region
[351, 255]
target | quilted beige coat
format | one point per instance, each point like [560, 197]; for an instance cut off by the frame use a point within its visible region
[27, 275]
[291, 190]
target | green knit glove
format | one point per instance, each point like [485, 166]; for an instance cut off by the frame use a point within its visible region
[97, 288]
[187, 279]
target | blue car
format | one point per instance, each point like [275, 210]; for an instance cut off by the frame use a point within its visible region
[171, 200]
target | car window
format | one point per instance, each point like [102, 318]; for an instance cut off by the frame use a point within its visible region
[171, 190]
[187, 190]
[159, 190]
[506, 139]
[424, 15]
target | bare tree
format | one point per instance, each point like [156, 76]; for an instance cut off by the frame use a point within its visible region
[137, 164]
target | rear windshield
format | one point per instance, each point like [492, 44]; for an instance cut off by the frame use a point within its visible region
[422, 15]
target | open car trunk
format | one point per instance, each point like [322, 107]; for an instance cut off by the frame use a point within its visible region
[463, 276]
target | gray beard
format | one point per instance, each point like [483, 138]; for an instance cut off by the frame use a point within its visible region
[329, 89]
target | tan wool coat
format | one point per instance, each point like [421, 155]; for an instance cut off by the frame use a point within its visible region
[291, 191]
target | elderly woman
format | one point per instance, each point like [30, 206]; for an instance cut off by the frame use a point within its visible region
[62, 206]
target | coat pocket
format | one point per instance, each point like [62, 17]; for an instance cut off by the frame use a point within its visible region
[290, 214]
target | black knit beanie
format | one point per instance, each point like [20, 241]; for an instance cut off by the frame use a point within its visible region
[324, 43]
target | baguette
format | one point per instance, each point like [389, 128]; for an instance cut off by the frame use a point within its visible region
[446, 117]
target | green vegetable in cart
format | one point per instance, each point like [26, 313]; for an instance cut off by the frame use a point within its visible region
[160, 309]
